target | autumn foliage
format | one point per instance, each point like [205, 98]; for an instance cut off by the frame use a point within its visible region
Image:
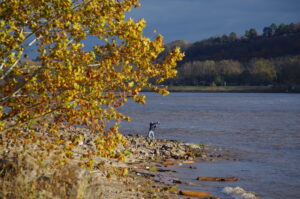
[70, 85]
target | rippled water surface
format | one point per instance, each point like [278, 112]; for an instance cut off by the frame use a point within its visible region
[263, 129]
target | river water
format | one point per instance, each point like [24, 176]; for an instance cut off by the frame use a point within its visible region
[263, 130]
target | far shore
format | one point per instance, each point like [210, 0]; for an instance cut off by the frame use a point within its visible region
[235, 89]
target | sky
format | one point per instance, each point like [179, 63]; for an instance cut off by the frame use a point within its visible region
[194, 20]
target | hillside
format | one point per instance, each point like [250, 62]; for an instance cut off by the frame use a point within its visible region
[245, 49]
[270, 58]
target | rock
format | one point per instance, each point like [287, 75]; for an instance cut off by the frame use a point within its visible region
[170, 163]
[166, 147]
[204, 156]
[171, 189]
[157, 152]
[177, 182]
[221, 179]
[190, 158]
[166, 170]
[167, 154]
[196, 194]
[153, 169]
[147, 174]
[199, 155]
[131, 189]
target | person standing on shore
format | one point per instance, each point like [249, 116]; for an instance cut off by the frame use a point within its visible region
[152, 127]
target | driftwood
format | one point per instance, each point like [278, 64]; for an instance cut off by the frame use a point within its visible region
[196, 194]
[220, 179]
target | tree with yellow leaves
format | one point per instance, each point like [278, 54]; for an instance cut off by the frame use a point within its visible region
[69, 85]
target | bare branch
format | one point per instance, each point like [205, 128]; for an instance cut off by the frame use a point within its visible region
[29, 120]
[2, 65]
[17, 61]
[33, 41]
[94, 65]
[42, 25]
[70, 42]
[11, 68]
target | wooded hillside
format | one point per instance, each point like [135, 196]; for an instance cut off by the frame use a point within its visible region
[250, 59]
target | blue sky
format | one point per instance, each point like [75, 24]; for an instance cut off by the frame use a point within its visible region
[194, 20]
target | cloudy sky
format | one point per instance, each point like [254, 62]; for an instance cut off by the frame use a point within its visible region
[194, 20]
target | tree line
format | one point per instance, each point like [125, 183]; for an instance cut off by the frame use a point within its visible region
[269, 31]
[257, 71]
[251, 59]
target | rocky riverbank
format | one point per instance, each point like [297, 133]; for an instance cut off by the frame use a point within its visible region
[145, 172]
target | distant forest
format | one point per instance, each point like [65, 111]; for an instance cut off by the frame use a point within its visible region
[270, 58]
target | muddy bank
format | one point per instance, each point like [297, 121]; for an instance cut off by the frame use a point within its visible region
[145, 172]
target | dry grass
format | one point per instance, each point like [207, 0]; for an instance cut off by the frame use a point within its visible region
[23, 175]
[20, 180]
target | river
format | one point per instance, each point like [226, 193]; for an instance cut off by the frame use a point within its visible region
[263, 129]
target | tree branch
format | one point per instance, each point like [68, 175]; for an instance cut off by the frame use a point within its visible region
[2, 65]
[94, 65]
[11, 68]
[21, 86]
[17, 61]
[32, 119]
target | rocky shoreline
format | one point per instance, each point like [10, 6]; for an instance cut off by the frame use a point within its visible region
[145, 172]
[161, 157]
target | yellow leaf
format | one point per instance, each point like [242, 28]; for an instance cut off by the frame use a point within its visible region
[130, 84]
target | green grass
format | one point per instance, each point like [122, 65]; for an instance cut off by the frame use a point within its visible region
[220, 88]
[241, 89]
